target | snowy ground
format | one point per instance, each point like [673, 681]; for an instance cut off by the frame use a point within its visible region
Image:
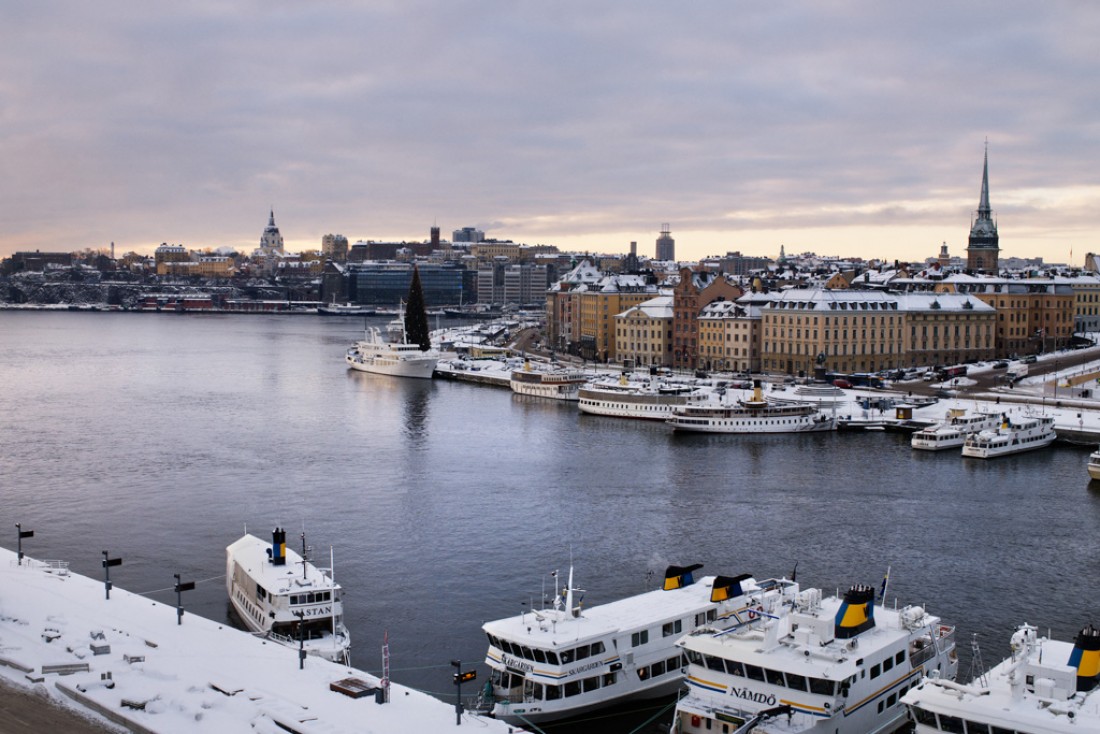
[201, 676]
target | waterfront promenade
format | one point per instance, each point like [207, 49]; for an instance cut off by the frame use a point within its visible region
[126, 660]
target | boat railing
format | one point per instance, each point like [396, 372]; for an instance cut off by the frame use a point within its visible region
[60, 568]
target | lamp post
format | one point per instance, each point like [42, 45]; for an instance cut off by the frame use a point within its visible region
[20, 535]
[180, 588]
[107, 563]
[301, 639]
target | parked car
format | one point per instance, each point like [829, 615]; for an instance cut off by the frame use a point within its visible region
[842, 383]
[1030, 359]
[1000, 364]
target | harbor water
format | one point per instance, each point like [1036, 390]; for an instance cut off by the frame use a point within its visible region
[159, 438]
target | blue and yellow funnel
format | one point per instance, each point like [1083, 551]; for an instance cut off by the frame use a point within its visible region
[677, 577]
[727, 587]
[856, 613]
[278, 547]
[1086, 657]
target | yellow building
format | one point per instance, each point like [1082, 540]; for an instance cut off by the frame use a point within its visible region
[643, 333]
[207, 266]
[946, 328]
[729, 337]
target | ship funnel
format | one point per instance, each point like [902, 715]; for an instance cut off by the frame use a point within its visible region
[757, 391]
[1086, 657]
[728, 587]
[677, 577]
[278, 547]
[857, 612]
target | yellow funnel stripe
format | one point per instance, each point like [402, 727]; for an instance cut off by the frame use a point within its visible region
[854, 615]
[673, 582]
[720, 594]
[1089, 664]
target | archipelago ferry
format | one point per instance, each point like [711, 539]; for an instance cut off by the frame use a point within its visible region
[281, 596]
[808, 664]
[563, 661]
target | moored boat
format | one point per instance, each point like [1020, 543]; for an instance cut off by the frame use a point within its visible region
[1013, 436]
[1045, 686]
[565, 660]
[554, 382]
[809, 664]
[750, 416]
[646, 401]
[1094, 464]
[374, 354]
[281, 596]
[952, 432]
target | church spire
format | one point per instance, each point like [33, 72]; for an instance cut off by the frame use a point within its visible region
[984, 211]
[271, 218]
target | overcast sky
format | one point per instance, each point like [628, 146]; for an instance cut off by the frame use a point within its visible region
[846, 128]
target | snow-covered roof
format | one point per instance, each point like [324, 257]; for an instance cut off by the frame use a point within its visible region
[198, 676]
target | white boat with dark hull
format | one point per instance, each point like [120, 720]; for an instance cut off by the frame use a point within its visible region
[553, 382]
[374, 354]
[1014, 435]
[1044, 687]
[563, 661]
[808, 664]
[645, 401]
[281, 596]
[750, 416]
[952, 432]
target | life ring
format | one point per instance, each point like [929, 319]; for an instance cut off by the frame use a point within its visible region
[695, 721]
[755, 613]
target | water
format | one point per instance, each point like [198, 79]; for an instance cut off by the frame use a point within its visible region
[159, 437]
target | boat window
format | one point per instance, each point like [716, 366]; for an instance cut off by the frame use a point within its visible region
[608, 679]
[999, 730]
[924, 716]
[796, 682]
[891, 699]
[715, 663]
[536, 692]
[553, 693]
[672, 628]
[974, 727]
[572, 688]
[876, 670]
[261, 592]
[639, 638]
[887, 664]
[294, 599]
[566, 656]
[951, 724]
[822, 687]
[754, 672]
[694, 657]
[527, 653]
[597, 648]
[540, 656]
[734, 667]
[592, 684]
[582, 652]
[551, 657]
[774, 677]
[674, 663]
[658, 668]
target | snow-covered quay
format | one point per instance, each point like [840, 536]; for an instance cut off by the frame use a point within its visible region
[128, 661]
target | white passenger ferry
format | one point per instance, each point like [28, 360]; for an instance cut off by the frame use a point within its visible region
[952, 432]
[399, 359]
[553, 382]
[807, 664]
[283, 597]
[1044, 687]
[1013, 436]
[646, 401]
[750, 416]
[563, 661]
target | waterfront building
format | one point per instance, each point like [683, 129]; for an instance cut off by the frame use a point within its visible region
[694, 290]
[1086, 301]
[170, 254]
[467, 234]
[666, 246]
[335, 247]
[387, 283]
[729, 336]
[563, 305]
[206, 266]
[500, 282]
[834, 330]
[946, 328]
[984, 248]
[643, 333]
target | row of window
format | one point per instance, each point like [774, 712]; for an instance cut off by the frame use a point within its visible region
[794, 681]
[954, 724]
[550, 657]
[313, 597]
[544, 692]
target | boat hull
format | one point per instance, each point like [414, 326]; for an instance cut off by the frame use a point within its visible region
[1094, 469]
[419, 368]
[521, 713]
[749, 424]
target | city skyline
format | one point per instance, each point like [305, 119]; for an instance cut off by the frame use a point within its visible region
[846, 128]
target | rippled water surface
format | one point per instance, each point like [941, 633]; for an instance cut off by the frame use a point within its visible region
[160, 437]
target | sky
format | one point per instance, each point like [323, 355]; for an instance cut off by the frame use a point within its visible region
[855, 129]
